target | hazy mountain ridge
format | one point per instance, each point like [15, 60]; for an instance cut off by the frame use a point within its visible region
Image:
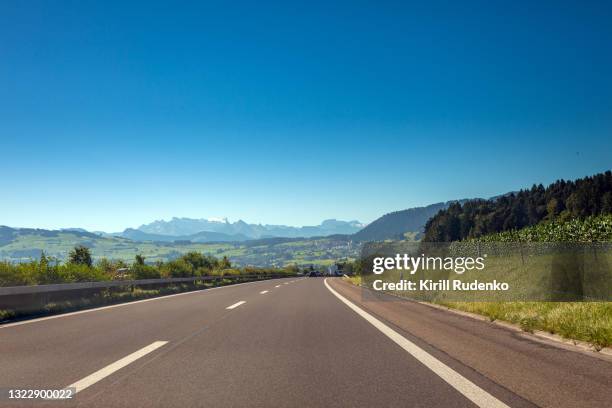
[180, 228]
[204, 236]
[8, 234]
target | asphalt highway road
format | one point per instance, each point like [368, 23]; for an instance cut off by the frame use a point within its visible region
[297, 342]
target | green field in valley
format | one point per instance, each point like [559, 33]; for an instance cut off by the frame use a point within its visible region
[319, 251]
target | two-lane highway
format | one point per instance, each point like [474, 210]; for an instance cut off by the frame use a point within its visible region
[291, 342]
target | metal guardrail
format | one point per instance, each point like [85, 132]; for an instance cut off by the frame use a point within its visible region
[58, 287]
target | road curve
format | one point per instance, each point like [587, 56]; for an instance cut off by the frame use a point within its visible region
[294, 345]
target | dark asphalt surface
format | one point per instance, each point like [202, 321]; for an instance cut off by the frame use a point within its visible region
[295, 346]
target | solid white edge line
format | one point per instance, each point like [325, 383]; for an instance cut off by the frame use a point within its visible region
[470, 390]
[263, 292]
[96, 309]
[117, 365]
[235, 305]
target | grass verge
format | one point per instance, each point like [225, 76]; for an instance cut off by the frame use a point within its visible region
[590, 322]
[586, 321]
[355, 279]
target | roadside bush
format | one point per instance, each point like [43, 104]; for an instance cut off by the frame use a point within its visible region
[230, 272]
[198, 260]
[109, 267]
[15, 275]
[49, 271]
[141, 271]
[72, 272]
[203, 271]
[6, 314]
[178, 268]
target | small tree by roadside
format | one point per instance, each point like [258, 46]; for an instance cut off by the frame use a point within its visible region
[140, 260]
[80, 255]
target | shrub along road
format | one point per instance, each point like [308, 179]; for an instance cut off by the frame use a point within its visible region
[291, 342]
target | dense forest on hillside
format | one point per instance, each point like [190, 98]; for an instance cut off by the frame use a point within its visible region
[560, 201]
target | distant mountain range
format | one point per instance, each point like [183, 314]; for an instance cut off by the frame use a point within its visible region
[207, 230]
[203, 236]
[252, 244]
[396, 225]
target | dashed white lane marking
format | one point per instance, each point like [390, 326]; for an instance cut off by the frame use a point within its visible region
[235, 305]
[286, 283]
[263, 292]
[277, 286]
[117, 365]
[470, 390]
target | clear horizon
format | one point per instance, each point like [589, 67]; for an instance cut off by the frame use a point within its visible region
[115, 115]
[230, 220]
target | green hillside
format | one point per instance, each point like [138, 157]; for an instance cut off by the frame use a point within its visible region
[21, 245]
[396, 224]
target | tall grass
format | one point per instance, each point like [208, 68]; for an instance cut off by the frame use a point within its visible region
[586, 321]
[354, 279]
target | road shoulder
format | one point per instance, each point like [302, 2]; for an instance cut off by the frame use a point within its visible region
[534, 370]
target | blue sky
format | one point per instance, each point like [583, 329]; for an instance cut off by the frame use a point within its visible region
[114, 115]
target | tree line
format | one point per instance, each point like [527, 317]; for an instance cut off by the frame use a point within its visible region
[560, 201]
[80, 267]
